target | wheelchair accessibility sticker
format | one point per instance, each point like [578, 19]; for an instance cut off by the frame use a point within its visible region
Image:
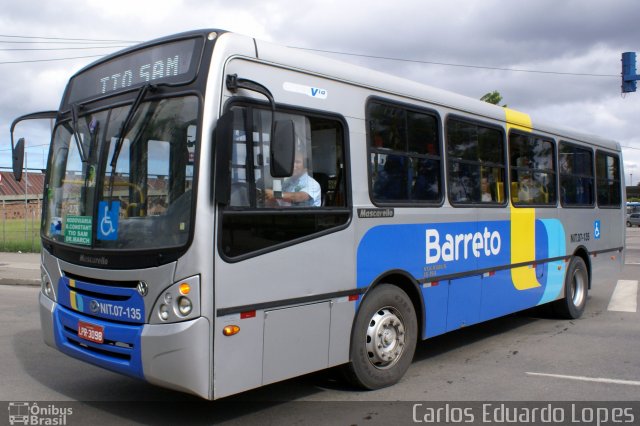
[596, 229]
[108, 216]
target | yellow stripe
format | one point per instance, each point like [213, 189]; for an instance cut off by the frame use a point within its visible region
[518, 120]
[523, 221]
[72, 283]
[523, 243]
[72, 299]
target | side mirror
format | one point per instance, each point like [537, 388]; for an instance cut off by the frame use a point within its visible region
[283, 149]
[17, 156]
[222, 157]
[17, 150]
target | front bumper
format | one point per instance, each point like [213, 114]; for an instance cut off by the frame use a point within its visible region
[175, 356]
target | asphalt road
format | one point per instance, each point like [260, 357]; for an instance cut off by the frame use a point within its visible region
[523, 357]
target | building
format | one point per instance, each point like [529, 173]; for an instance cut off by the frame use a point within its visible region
[15, 201]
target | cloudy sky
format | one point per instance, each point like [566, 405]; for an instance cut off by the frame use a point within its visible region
[551, 43]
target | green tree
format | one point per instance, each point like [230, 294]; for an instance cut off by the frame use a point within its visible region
[493, 98]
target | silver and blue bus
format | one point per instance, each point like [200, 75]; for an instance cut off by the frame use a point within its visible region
[221, 213]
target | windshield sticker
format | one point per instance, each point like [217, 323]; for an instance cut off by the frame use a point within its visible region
[77, 230]
[108, 220]
[55, 226]
[91, 181]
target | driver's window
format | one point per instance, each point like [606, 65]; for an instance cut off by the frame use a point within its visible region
[318, 173]
[266, 212]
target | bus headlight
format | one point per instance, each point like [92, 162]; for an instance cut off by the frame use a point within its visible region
[178, 302]
[163, 312]
[46, 286]
[184, 306]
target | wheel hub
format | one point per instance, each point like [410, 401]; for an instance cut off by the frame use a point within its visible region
[578, 286]
[385, 338]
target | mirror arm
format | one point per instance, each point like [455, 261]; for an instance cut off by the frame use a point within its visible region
[234, 83]
[17, 150]
[32, 116]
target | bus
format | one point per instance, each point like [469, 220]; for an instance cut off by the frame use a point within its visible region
[222, 213]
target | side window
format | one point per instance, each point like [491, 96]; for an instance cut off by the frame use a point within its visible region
[318, 178]
[476, 163]
[575, 166]
[533, 176]
[264, 211]
[404, 155]
[608, 179]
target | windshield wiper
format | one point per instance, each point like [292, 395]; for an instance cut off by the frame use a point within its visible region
[76, 133]
[123, 131]
[127, 122]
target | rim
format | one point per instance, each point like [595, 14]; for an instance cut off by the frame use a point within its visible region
[385, 338]
[578, 288]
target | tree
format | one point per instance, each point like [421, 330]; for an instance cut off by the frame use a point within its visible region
[493, 98]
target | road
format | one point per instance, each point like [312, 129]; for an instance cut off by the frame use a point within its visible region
[523, 357]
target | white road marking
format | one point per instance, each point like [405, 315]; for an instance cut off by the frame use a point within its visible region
[589, 379]
[625, 297]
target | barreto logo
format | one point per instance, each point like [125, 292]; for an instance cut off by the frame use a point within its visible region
[461, 246]
[31, 413]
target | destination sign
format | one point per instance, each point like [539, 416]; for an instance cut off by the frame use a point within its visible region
[166, 63]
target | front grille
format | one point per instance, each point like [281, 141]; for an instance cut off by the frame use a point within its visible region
[117, 301]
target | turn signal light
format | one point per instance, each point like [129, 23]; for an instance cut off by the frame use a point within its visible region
[184, 289]
[231, 330]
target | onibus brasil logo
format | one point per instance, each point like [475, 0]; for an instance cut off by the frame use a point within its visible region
[31, 413]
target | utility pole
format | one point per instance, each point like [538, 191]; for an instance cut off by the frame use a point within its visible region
[26, 201]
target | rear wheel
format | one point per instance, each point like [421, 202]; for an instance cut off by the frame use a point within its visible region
[383, 339]
[576, 288]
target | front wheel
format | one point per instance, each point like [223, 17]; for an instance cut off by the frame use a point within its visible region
[383, 339]
[576, 288]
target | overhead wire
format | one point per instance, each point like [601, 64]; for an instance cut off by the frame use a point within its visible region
[418, 61]
[61, 48]
[65, 44]
[49, 60]
[68, 39]
[335, 52]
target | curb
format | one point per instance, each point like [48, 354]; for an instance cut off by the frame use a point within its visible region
[19, 282]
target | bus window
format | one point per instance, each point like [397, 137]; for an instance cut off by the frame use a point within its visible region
[404, 155]
[265, 211]
[476, 164]
[608, 178]
[533, 175]
[576, 175]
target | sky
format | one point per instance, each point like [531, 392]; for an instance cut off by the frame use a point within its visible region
[558, 60]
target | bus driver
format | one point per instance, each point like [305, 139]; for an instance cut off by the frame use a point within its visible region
[300, 190]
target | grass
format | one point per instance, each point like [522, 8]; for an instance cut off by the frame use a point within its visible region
[13, 237]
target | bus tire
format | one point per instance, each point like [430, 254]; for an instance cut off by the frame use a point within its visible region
[383, 339]
[576, 288]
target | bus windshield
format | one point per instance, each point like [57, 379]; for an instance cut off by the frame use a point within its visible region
[147, 202]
